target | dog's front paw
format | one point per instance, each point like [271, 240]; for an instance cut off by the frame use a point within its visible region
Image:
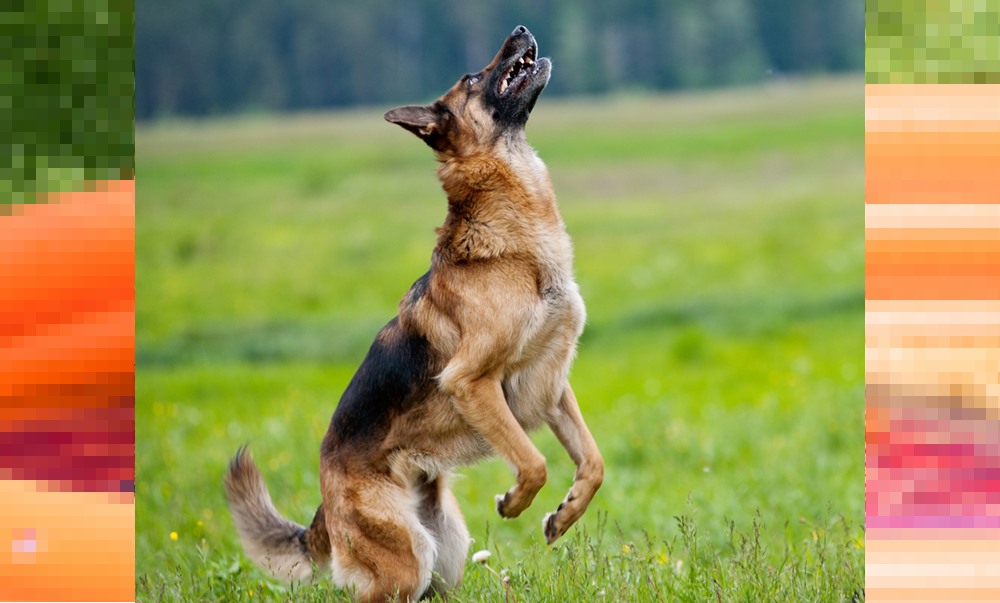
[551, 528]
[511, 504]
[501, 500]
[519, 497]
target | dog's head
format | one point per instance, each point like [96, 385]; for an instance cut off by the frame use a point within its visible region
[482, 107]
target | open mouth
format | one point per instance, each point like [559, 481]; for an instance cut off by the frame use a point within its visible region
[519, 72]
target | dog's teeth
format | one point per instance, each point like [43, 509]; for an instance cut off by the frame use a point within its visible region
[529, 61]
[503, 86]
[521, 60]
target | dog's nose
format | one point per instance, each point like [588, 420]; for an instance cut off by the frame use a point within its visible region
[520, 29]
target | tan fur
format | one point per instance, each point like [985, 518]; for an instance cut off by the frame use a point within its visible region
[501, 315]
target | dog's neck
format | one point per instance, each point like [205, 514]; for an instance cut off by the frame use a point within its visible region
[499, 203]
[509, 170]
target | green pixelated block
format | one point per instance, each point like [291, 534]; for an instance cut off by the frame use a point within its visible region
[66, 95]
[932, 42]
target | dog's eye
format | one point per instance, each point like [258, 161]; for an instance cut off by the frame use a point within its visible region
[472, 79]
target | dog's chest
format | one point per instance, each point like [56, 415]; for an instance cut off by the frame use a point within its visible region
[535, 378]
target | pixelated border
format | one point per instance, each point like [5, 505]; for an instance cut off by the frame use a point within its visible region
[926, 43]
[69, 82]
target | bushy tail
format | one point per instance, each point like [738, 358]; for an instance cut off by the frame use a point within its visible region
[281, 547]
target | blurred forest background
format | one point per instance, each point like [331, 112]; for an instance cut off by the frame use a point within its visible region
[205, 57]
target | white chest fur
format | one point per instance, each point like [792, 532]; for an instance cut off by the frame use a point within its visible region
[535, 380]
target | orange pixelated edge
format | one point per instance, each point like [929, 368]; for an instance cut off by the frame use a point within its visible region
[67, 396]
[932, 342]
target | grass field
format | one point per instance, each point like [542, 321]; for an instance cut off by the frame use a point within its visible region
[719, 248]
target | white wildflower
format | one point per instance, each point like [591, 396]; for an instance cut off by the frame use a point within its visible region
[481, 557]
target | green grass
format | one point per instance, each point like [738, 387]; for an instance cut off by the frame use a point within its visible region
[719, 249]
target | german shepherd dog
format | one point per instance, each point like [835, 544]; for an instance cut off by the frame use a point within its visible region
[478, 355]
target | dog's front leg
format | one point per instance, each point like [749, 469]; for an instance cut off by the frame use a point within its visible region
[480, 401]
[568, 425]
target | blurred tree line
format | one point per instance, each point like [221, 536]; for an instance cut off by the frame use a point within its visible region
[197, 57]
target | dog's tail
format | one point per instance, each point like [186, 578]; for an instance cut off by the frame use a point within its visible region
[281, 547]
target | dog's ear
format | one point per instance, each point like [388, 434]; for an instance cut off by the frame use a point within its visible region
[429, 122]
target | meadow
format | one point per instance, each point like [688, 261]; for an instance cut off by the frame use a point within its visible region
[719, 249]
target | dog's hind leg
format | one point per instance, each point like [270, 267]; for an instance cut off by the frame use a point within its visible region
[439, 512]
[381, 551]
[568, 425]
